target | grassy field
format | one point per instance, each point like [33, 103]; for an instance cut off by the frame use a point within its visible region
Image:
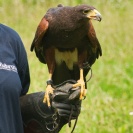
[108, 107]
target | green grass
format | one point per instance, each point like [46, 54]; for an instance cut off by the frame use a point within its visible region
[110, 91]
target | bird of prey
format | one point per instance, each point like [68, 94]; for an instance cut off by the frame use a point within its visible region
[65, 38]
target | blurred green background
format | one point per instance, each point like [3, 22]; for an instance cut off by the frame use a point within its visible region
[108, 107]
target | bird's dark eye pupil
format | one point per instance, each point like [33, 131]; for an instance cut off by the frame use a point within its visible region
[85, 11]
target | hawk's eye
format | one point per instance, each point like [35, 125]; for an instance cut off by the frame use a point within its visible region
[86, 11]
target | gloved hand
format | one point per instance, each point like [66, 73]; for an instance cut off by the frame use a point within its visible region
[39, 118]
[65, 100]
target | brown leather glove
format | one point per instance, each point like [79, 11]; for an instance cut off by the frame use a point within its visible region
[65, 100]
[39, 118]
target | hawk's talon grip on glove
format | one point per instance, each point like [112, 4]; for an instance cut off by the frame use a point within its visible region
[65, 106]
[49, 91]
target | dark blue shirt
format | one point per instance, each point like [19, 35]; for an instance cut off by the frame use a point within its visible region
[14, 80]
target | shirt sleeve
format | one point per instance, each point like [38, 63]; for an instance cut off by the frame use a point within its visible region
[21, 62]
[23, 68]
[20, 57]
[24, 77]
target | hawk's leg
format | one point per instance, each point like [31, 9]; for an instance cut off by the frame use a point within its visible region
[50, 60]
[81, 83]
[49, 90]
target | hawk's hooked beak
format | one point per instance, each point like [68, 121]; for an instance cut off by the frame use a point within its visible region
[95, 15]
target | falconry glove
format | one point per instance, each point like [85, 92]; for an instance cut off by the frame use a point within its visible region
[39, 118]
[65, 100]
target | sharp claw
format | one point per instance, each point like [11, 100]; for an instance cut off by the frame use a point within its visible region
[47, 99]
[49, 90]
[83, 90]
